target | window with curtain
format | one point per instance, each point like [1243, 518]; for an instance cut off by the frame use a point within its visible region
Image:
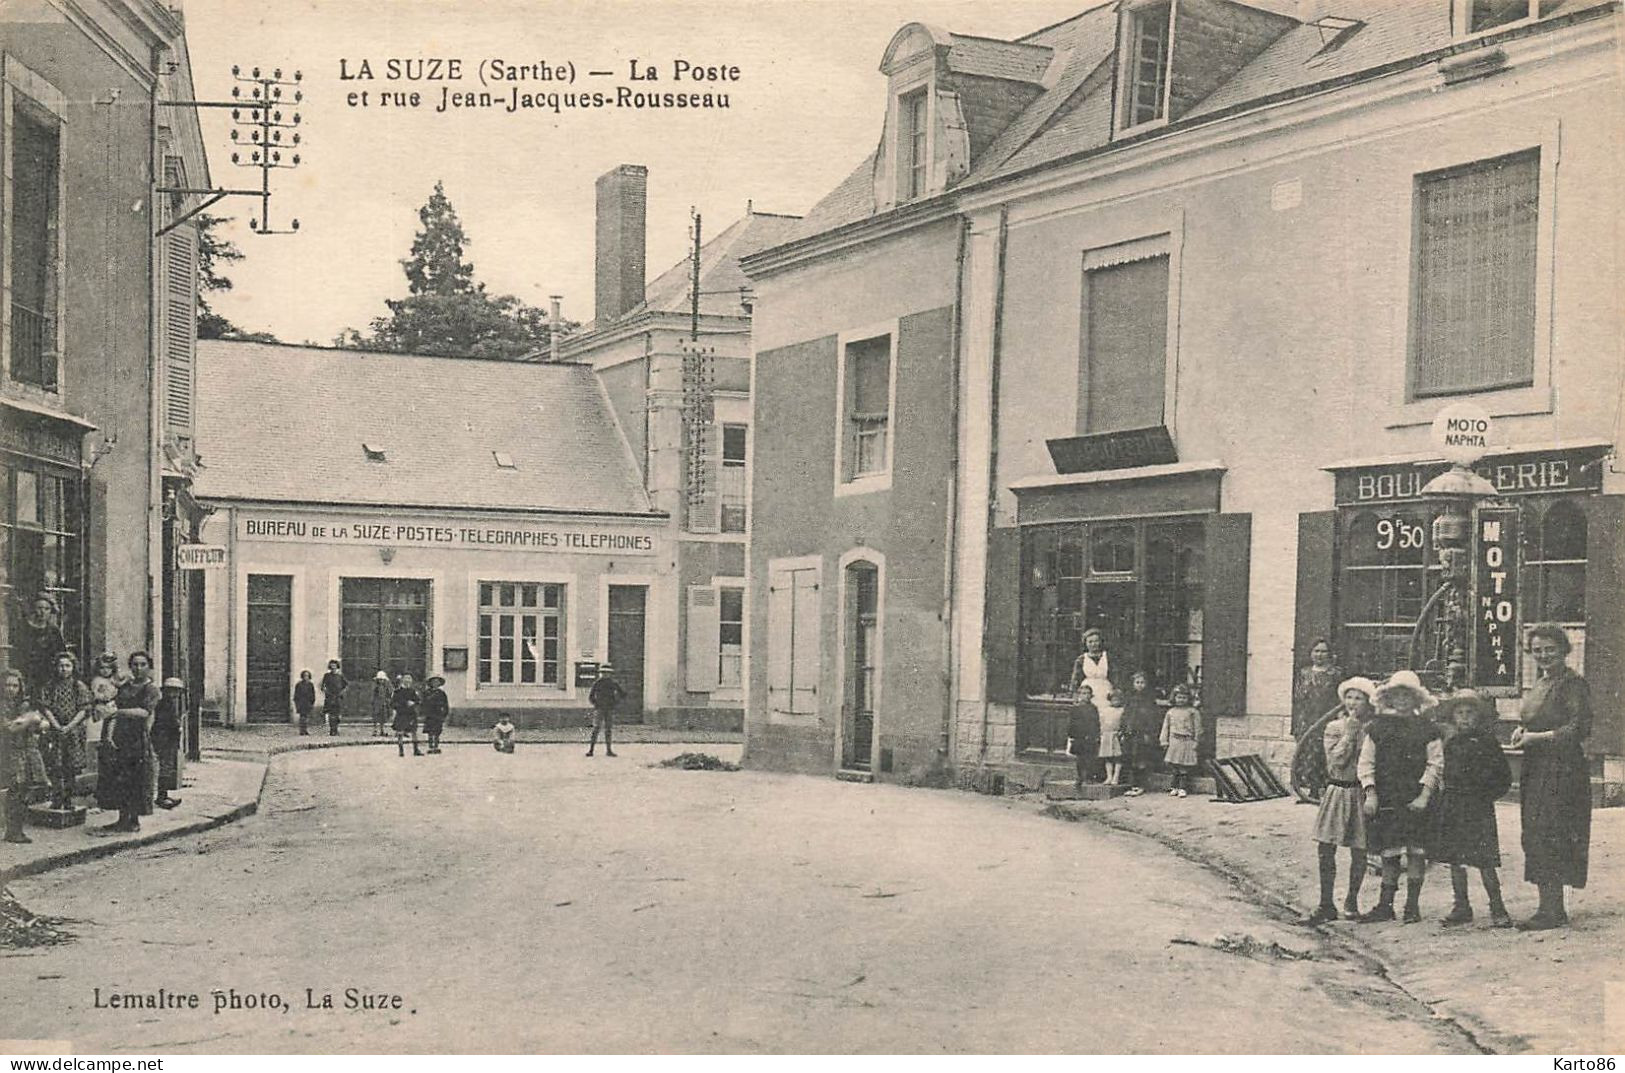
[734, 491]
[1473, 315]
[868, 407]
[521, 626]
[1125, 345]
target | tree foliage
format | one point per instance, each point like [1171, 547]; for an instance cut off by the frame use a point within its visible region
[446, 312]
[214, 253]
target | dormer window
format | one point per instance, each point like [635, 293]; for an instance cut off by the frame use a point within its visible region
[912, 151]
[1476, 16]
[374, 452]
[1145, 81]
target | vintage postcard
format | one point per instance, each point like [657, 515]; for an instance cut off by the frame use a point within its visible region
[812, 526]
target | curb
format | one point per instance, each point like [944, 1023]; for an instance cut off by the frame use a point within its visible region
[1483, 1038]
[97, 850]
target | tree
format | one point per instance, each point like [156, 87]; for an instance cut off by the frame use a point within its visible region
[213, 253]
[446, 313]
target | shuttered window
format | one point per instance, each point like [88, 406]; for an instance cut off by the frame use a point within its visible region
[1474, 303]
[36, 148]
[793, 627]
[1125, 345]
[180, 328]
[700, 667]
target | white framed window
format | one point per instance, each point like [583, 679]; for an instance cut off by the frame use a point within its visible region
[1148, 39]
[866, 390]
[521, 634]
[734, 490]
[794, 636]
[1473, 301]
[730, 636]
[31, 203]
[913, 143]
[1478, 16]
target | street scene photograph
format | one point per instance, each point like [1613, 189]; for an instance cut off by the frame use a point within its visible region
[808, 527]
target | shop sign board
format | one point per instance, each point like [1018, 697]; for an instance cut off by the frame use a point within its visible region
[1495, 591]
[1531, 473]
[200, 556]
[571, 538]
[1127, 449]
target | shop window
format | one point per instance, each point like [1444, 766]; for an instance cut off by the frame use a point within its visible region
[1140, 582]
[866, 374]
[521, 631]
[794, 642]
[1125, 338]
[35, 166]
[1554, 573]
[1388, 572]
[730, 637]
[1145, 83]
[735, 492]
[1473, 307]
[40, 548]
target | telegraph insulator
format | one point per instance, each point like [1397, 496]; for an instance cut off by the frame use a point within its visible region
[277, 74]
[235, 70]
[297, 75]
[256, 72]
[296, 225]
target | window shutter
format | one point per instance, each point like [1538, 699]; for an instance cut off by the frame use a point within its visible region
[180, 328]
[1224, 620]
[808, 637]
[700, 671]
[1125, 345]
[780, 610]
[1605, 618]
[1317, 534]
[1002, 645]
[705, 480]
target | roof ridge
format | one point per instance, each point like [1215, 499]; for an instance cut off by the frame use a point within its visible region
[327, 348]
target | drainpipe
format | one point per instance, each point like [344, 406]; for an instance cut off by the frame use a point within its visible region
[950, 573]
[155, 563]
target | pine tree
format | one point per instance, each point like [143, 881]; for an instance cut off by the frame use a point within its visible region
[446, 313]
[213, 254]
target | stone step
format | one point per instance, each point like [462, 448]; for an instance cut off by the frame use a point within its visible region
[847, 774]
[1091, 791]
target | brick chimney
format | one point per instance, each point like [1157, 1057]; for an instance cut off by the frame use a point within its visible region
[622, 199]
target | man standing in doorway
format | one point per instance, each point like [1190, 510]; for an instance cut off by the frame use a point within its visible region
[606, 694]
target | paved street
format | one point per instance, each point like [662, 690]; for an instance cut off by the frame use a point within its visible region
[547, 902]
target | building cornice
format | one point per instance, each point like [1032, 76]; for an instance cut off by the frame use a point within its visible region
[149, 21]
[893, 222]
[575, 346]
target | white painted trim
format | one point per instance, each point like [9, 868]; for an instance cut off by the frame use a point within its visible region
[843, 654]
[1125, 73]
[868, 482]
[1538, 398]
[566, 689]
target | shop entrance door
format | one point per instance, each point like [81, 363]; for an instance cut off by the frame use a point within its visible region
[384, 626]
[270, 647]
[626, 636]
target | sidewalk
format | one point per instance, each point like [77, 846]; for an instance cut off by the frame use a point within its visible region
[1516, 992]
[265, 739]
[215, 791]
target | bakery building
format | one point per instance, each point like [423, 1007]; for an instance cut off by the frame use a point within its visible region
[477, 520]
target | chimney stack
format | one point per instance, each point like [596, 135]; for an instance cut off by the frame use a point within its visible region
[622, 204]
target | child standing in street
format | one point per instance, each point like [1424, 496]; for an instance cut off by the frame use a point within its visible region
[1111, 736]
[1476, 773]
[606, 693]
[381, 702]
[1181, 727]
[21, 764]
[502, 734]
[1340, 821]
[1083, 733]
[406, 703]
[333, 686]
[304, 701]
[1142, 720]
[166, 739]
[1401, 761]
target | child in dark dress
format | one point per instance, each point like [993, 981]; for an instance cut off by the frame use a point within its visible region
[1083, 732]
[1142, 723]
[1476, 773]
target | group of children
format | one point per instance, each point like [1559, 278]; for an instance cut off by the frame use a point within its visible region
[1131, 730]
[397, 703]
[1398, 787]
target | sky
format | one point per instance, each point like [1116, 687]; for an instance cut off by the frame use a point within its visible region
[805, 109]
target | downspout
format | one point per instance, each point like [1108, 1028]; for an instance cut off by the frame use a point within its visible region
[993, 450]
[155, 492]
[228, 705]
[950, 690]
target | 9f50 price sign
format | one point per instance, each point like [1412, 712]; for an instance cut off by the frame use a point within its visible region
[1495, 590]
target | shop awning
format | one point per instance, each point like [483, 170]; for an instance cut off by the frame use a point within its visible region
[40, 410]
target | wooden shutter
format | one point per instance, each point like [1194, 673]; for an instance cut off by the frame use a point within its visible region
[705, 479]
[1224, 619]
[704, 625]
[180, 328]
[806, 656]
[1125, 345]
[780, 616]
[1317, 535]
[1605, 620]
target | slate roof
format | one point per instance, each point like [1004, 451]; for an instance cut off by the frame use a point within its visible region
[997, 59]
[720, 277]
[1073, 114]
[288, 423]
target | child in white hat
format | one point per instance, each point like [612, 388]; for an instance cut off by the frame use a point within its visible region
[1400, 768]
[1340, 821]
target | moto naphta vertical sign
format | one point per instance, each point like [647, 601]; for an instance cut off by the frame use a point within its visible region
[1495, 586]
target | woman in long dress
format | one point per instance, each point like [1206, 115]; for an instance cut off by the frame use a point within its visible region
[128, 781]
[1555, 783]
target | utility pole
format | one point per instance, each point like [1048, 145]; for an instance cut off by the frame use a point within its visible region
[694, 285]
